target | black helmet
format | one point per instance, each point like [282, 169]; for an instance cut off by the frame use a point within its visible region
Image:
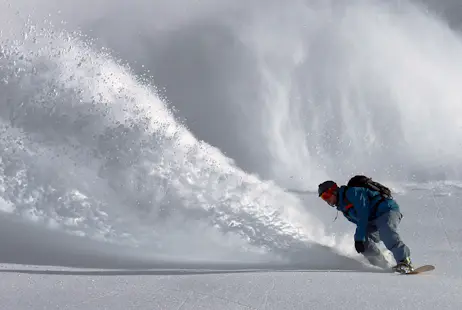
[324, 186]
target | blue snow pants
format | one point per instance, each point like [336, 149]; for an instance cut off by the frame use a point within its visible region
[385, 229]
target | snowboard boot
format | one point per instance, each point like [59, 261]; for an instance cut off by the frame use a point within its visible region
[404, 266]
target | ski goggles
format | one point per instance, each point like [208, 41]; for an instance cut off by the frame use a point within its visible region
[328, 193]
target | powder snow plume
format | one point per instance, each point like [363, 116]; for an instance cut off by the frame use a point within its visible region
[90, 148]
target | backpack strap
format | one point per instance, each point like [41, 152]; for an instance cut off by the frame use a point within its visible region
[375, 208]
[348, 204]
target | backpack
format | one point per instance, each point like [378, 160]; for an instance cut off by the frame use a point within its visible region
[364, 181]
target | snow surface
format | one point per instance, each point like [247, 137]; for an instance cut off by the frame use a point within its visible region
[117, 195]
[430, 227]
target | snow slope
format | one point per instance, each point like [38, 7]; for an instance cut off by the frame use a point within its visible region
[183, 175]
[430, 226]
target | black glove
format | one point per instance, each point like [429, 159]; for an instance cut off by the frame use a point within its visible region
[360, 246]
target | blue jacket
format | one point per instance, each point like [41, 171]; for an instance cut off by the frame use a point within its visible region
[361, 213]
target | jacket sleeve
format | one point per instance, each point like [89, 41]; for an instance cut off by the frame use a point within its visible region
[360, 200]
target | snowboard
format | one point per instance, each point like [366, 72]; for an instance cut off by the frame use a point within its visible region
[419, 270]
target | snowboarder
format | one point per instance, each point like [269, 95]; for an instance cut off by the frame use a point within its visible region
[377, 215]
